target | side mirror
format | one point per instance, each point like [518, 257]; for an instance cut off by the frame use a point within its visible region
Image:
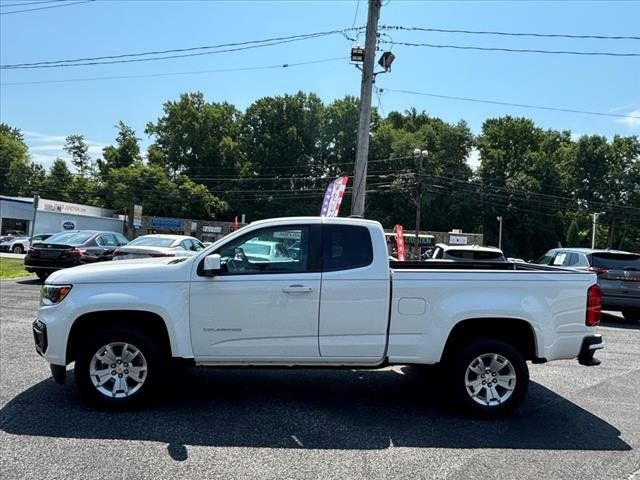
[211, 264]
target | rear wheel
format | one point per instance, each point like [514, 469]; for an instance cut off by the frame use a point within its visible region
[42, 275]
[17, 249]
[118, 368]
[489, 378]
[631, 314]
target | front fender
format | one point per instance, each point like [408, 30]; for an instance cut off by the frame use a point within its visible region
[170, 301]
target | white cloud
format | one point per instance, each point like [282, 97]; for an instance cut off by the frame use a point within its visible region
[44, 149]
[621, 108]
[473, 160]
[632, 121]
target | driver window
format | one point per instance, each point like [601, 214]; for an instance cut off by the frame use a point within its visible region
[271, 250]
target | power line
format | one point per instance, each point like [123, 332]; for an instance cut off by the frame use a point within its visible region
[511, 50]
[24, 4]
[135, 57]
[169, 74]
[522, 105]
[47, 7]
[355, 16]
[511, 34]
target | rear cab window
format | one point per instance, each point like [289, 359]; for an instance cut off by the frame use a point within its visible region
[345, 247]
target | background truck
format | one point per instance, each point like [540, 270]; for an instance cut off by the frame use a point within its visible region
[336, 302]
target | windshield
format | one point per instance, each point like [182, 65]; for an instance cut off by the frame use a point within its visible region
[70, 238]
[471, 255]
[152, 242]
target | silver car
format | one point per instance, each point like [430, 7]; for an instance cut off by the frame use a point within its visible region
[618, 275]
[149, 246]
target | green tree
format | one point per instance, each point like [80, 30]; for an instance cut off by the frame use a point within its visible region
[124, 153]
[198, 138]
[522, 182]
[14, 160]
[573, 237]
[150, 186]
[77, 147]
[58, 181]
[281, 137]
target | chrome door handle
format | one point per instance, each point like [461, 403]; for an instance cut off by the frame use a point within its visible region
[297, 289]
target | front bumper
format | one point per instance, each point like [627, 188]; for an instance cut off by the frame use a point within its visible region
[58, 372]
[40, 337]
[589, 346]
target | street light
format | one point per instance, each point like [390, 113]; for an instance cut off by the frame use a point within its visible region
[419, 154]
[499, 218]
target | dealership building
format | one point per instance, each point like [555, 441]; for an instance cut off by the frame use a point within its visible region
[51, 216]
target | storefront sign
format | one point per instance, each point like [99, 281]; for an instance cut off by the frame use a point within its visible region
[457, 240]
[211, 229]
[165, 222]
[68, 225]
[72, 208]
[290, 234]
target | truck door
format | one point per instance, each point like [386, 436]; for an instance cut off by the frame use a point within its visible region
[355, 294]
[263, 305]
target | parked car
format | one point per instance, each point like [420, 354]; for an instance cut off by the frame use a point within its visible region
[341, 303]
[266, 251]
[21, 244]
[72, 248]
[618, 275]
[149, 246]
[467, 253]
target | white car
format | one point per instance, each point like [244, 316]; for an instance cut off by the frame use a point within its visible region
[149, 246]
[341, 303]
[21, 244]
[467, 253]
[266, 251]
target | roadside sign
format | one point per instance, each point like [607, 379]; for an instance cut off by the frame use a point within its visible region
[137, 216]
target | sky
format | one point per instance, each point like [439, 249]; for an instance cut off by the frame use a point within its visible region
[46, 112]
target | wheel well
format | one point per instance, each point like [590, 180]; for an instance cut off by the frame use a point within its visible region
[149, 323]
[517, 332]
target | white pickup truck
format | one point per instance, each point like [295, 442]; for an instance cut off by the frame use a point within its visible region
[334, 302]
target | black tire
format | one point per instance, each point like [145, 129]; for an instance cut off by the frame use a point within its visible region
[631, 314]
[42, 275]
[460, 360]
[156, 364]
[17, 249]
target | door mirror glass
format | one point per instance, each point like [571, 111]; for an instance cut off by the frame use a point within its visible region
[211, 264]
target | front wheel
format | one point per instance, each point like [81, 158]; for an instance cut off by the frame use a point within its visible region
[118, 368]
[17, 249]
[489, 378]
[631, 314]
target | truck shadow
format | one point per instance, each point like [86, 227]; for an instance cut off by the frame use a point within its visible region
[318, 409]
[609, 320]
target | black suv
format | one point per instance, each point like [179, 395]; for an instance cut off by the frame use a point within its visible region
[618, 275]
[72, 248]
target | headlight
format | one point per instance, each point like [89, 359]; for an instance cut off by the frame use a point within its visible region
[52, 294]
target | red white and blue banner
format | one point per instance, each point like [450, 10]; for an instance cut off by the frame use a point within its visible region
[333, 197]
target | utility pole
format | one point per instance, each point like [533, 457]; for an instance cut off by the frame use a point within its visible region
[594, 216]
[499, 218]
[419, 154]
[362, 151]
[36, 203]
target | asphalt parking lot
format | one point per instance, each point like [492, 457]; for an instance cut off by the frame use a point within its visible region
[577, 422]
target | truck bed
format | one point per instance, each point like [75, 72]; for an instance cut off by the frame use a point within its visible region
[451, 265]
